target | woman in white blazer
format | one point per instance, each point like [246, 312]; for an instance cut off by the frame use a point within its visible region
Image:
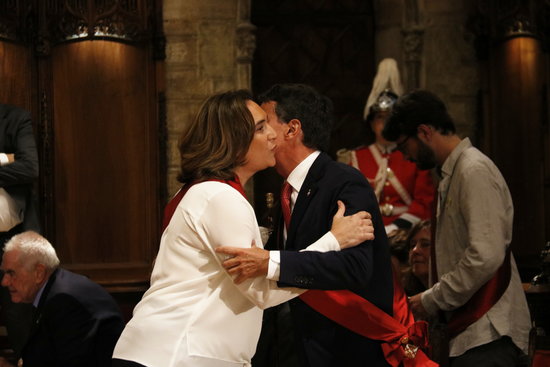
[193, 314]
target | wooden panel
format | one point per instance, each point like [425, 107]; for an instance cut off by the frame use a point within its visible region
[516, 131]
[15, 75]
[105, 159]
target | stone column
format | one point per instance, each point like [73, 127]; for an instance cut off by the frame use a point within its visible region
[209, 49]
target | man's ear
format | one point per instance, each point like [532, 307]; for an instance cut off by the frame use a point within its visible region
[40, 273]
[294, 128]
[424, 133]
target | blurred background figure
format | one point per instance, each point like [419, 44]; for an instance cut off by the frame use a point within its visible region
[418, 245]
[415, 280]
[405, 194]
[398, 241]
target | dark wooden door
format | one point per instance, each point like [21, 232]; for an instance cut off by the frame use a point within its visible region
[16, 56]
[89, 70]
[326, 44]
[515, 104]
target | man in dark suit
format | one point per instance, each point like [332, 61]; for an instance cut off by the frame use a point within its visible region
[18, 166]
[18, 172]
[295, 334]
[76, 322]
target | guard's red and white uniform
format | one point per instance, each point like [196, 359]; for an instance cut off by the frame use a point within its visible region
[404, 192]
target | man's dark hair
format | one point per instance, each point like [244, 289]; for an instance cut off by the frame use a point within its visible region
[416, 108]
[304, 103]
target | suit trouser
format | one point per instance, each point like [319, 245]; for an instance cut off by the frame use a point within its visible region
[277, 346]
[498, 353]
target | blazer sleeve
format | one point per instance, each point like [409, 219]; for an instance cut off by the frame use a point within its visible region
[347, 269]
[19, 141]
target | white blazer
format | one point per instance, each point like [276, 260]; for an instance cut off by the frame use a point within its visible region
[193, 314]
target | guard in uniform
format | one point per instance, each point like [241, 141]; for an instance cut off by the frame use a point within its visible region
[404, 192]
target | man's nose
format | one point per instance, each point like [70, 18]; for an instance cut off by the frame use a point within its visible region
[271, 134]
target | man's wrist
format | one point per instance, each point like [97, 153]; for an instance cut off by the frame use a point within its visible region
[274, 267]
[4, 159]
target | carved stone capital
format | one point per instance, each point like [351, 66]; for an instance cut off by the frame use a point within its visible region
[518, 26]
[246, 42]
[413, 42]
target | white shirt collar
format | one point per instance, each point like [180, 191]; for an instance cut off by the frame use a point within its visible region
[298, 175]
[39, 294]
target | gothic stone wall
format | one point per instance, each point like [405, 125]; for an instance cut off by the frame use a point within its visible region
[435, 51]
[429, 39]
[201, 60]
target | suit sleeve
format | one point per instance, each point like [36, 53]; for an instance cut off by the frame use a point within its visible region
[347, 269]
[24, 169]
[72, 331]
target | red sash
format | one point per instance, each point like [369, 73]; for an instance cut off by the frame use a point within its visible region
[482, 300]
[173, 204]
[402, 337]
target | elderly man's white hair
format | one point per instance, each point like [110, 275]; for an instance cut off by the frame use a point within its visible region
[33, 249]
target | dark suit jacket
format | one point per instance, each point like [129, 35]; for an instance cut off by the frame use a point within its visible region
[17, 178]
[77, 323]
[365, 269]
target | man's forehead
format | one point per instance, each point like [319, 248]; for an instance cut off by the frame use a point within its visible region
[10, 257]
[269, 104]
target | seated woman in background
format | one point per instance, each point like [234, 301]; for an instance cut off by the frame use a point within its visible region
[399, 250]
[193, 314]
[419, 244]
[417, 280]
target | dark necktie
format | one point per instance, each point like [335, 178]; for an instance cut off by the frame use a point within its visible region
[286, 191]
